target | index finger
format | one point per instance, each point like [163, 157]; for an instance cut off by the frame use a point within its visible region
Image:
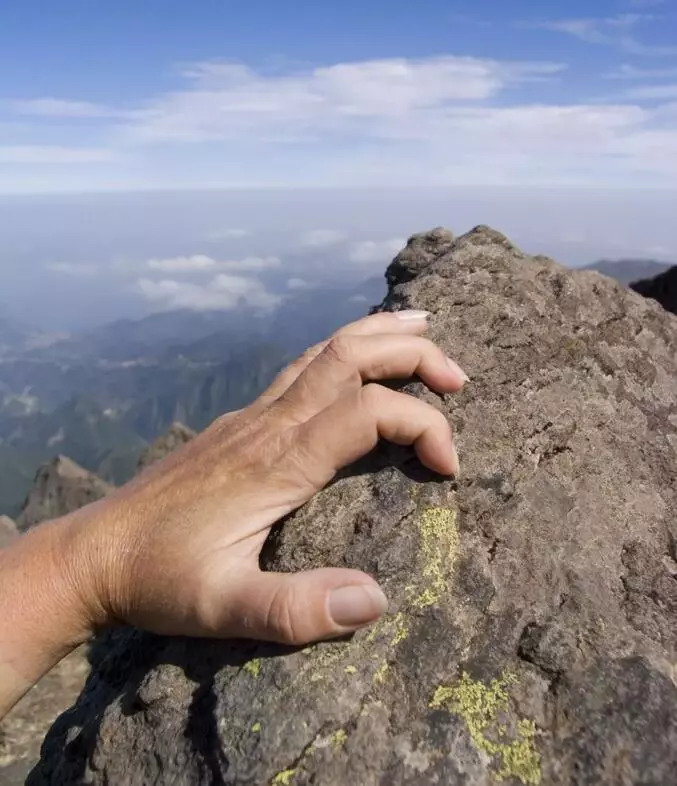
[409, 322]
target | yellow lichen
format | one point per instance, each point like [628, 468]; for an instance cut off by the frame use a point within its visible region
[439, 544]
[339, 739]
[401, 629]
[256, 727]
[350, 670]
[486, 712]
[253, 667]
[381, 672]
[284, 778]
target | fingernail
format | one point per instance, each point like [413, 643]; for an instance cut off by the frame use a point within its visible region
[455, 367]
[357, 605]
[412, 314]
[454, 460]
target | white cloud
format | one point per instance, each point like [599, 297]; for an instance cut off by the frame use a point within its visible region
[375, 251]
[71, 269]
[230, 101]
[654, 92]
[396, 122]
[358, 299]
[626, 71]
[230, 233]
[321, 238]
[56, 107]
[199, 263]
[615, 31]
[52, 154]
[224, 292]
[298, 283]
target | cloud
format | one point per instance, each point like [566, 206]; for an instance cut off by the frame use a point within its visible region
[228, 101]
[654, 92]
[71, 269]
[199, 263]
[321, 238]
[375, 251]
[52, 154]
[224, 292]
[298, 284]
[230, 233]
[632, 72]
[56, 107]
[611, 31]
[394, 122]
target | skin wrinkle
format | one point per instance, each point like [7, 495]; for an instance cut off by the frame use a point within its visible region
[176, 550]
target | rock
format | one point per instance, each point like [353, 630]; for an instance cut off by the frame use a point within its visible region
[176, 436]
[531, 636]
[8, 531]
[23, 729]
[61, 486]
[662, 288]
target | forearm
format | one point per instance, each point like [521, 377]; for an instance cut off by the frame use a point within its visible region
[42, 614]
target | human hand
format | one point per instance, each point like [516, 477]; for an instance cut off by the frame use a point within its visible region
[176, 551]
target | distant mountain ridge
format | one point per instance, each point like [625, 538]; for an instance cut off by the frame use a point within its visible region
[626, 271]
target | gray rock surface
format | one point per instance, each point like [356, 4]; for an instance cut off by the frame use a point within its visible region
[175, 436]
[8, 531]
[532, 632]
[61, 486]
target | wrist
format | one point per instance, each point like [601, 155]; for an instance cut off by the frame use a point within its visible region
[46, 609]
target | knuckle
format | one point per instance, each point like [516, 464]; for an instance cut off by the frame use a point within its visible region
[339, 349]
[280, 618]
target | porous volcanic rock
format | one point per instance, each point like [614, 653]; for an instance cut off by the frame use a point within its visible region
[531, 636]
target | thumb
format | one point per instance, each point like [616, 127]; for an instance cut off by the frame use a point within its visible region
[297, 608]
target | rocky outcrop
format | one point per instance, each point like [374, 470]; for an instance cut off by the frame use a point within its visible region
[61, 486]
[176, 436]
[532, 634]
[8, 531]
[662, 288]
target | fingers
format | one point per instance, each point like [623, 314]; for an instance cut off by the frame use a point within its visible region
[297, 608]
[353, 425]
[399, 322]
[349, 361]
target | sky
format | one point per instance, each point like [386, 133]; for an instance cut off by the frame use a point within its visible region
[216, 93]
[167, 153]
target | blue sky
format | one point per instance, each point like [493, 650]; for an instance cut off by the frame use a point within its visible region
[158, 94]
